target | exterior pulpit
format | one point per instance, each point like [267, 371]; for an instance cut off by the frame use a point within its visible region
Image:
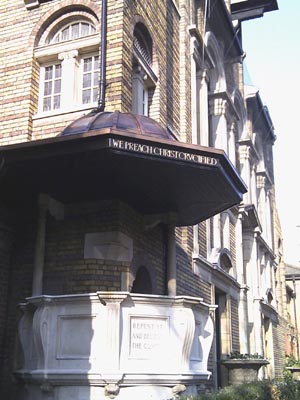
[109, 344]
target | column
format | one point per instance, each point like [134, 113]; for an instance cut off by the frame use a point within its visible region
[195, 102]
[56, 209]
[244, 152]
[138, 91]
[257, 317]
[262, 202]
[171, 261]
[203, 112]
[196, 240]
[69, 67]
[231, 143]
[38, 270]
[253, 187]
[243, 313]
[216, 245]
[226, 230]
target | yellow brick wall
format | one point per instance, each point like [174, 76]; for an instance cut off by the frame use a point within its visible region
[21, 30]
[68, 272]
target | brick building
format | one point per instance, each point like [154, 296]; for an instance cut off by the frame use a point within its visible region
[139, 239]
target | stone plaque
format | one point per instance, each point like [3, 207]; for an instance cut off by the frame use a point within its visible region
[147, 336]
[75, 334]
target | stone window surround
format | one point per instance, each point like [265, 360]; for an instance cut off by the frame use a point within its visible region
[70, 54]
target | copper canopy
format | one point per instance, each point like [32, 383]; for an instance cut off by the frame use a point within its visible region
[117, 121]
[121, 156]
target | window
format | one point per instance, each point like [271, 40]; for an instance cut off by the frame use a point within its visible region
[144, 78]
[69, 67]
[90, 79]
[72, 31]
[52, 87]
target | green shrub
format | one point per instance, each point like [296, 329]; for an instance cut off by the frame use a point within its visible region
[287, 389]
[248, 391]
[291, 361]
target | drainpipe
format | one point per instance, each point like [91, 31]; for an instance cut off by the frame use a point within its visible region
[103, 43]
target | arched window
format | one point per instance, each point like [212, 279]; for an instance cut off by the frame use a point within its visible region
[69, 64]
[144, 78]
[72, 31]
[225, 263]
[142, 43]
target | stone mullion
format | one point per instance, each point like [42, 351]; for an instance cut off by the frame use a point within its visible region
[69, 79]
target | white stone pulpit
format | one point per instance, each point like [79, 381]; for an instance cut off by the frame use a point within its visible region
[113, 345]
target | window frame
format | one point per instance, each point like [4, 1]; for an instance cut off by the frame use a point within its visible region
[48, 54]
[42, 95]
[81, 75]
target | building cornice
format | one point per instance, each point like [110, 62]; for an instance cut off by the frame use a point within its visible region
[243, 10]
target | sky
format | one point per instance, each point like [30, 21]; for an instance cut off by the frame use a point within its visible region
[272, 47]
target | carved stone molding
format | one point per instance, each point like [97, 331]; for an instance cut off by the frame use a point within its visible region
[112, 390]
[177, 390]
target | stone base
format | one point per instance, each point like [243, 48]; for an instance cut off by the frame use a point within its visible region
[243, 371]
[238, 376]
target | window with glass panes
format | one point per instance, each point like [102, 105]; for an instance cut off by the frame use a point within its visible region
[90, 79]
[72, 31]
[52, 87]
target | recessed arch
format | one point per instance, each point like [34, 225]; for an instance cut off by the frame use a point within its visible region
[217, 81]
[139, 23]
[141, 271]
[142, 282]
[225, 262]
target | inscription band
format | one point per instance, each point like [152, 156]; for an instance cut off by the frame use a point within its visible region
[162, 152]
